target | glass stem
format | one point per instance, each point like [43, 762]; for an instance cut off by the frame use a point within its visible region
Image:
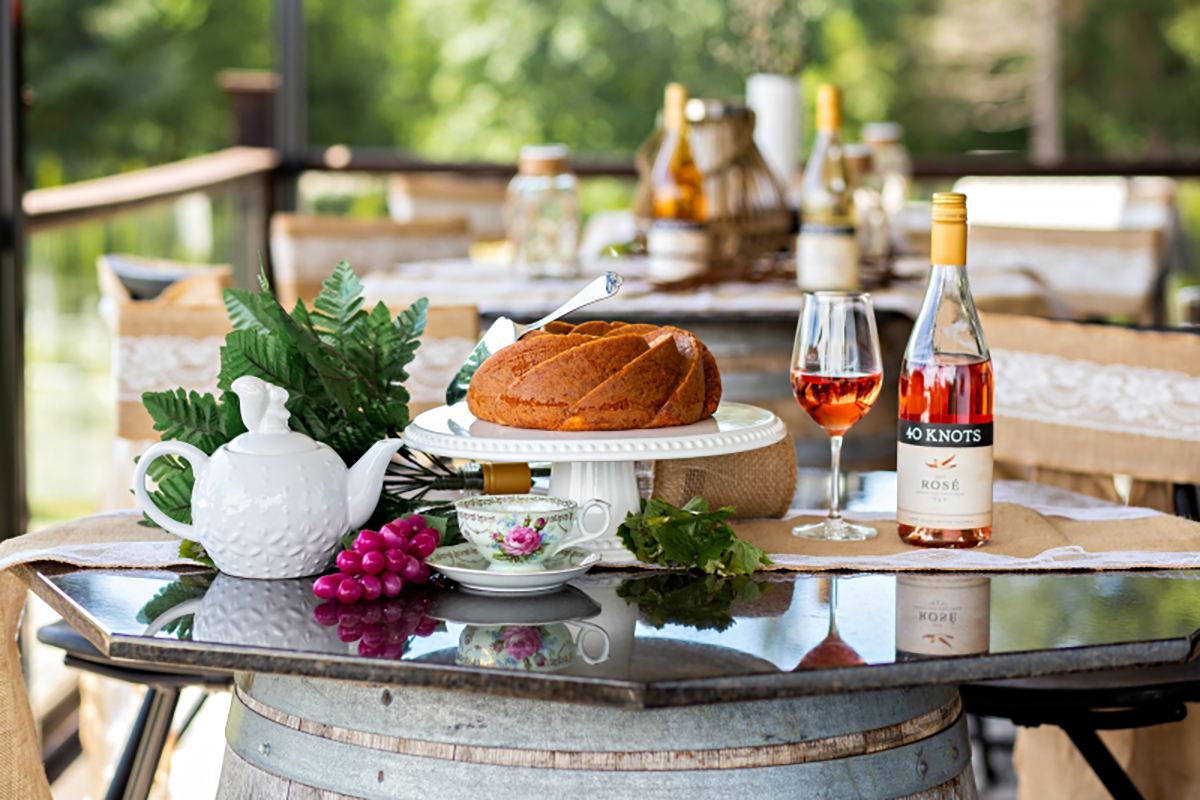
[835, 469]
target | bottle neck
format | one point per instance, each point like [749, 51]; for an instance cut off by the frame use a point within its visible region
[948, 324]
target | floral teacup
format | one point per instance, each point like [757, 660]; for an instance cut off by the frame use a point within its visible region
[529, 648]
[518, 532]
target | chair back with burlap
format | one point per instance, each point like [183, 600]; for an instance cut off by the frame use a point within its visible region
[1077, 404]
[306, 248]
[172, 340]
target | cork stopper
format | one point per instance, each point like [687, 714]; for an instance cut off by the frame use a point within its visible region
[829, 108]
[948, 242]
[674, 106]
[506, 478]
[547, 159]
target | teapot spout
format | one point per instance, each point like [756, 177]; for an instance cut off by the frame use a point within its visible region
[366, 479]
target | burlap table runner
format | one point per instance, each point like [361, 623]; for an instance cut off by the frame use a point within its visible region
[1022, 539]
[104, 540]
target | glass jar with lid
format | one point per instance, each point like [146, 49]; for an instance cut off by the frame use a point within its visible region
[542, 211]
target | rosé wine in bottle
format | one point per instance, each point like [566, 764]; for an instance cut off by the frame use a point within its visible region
[944, 452]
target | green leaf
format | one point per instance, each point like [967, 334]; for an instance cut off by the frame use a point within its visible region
[337, 310]
[699, 601]
[411, 326]
[188, 417]
[247, 311]
[196, 552]
[692, 536]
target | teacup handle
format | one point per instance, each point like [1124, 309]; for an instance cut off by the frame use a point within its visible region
[587, 534]
[584, 629]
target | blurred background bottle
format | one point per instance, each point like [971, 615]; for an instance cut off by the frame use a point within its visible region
[827, 253]
[542, 208]
[894, 166]
[678, 242]
[870, 219]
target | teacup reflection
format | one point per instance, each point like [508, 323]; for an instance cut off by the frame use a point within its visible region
[530, 648]
[535, 633]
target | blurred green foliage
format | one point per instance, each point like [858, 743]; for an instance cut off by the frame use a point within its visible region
[120, 84]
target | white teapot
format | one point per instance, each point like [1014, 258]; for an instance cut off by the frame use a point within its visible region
[272, 503]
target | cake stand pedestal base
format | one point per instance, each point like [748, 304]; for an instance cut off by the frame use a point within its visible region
[594, 464]
[614, 482]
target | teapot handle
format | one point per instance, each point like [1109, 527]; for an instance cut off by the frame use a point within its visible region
[172, 614]
[194, 456]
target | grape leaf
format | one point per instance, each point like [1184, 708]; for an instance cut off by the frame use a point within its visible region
[692, 536]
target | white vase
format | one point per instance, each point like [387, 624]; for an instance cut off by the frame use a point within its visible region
[775, 101]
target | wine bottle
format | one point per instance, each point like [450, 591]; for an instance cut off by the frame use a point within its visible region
[942, 615]
[827, 247]
[944, 451]
[678, 243]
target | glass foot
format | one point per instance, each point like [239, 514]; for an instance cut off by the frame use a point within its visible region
[834, 530]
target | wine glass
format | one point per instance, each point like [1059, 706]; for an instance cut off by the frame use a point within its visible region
[836, 376]
[832, 651]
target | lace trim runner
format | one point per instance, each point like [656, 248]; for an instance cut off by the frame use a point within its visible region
[1116, 398]
[158, 363]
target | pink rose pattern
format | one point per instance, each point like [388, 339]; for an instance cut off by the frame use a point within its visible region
[522, 541]
[521, 641]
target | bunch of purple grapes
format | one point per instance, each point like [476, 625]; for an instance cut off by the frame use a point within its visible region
[381, 627]
[381, 563]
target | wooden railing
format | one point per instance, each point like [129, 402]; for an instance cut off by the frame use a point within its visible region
[66, 205]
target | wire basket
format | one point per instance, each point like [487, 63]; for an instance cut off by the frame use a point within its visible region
[748, 217]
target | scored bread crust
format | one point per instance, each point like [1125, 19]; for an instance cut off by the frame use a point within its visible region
[598, 376]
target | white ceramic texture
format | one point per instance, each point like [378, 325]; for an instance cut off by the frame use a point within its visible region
[272, 503]
[595, 463]
[518, 532]
[530, 648]
[276, 614]
[464, 564]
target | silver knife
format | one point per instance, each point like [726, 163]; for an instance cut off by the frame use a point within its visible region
[504, 331]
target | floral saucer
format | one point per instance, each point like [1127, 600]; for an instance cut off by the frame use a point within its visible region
[464, 564]
[563, 604]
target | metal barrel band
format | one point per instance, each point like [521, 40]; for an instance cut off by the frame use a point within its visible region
[784, 754]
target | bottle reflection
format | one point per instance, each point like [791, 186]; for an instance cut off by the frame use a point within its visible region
[832, 651]
[942, 615]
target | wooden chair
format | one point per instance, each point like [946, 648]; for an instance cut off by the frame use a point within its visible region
[414, 197]
[306, 248]
[171, 340]
[1077, 405]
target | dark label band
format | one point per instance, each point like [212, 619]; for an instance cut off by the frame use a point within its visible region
[828, 230]
[678, 225]
[936, 434]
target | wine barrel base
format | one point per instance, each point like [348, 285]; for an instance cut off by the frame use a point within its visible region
[326, 740]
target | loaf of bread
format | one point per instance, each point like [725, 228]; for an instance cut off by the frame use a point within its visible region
[598, 376]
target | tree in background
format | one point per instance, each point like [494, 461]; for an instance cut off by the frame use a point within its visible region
[123, 84]
[120, 84]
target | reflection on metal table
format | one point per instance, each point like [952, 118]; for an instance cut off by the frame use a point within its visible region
[640, 682]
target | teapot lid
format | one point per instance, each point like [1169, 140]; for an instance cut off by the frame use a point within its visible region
[266, 419]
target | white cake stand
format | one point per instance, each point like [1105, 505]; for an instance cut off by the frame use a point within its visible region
[594, 464]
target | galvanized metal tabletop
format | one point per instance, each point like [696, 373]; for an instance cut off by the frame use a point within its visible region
[667, 640]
